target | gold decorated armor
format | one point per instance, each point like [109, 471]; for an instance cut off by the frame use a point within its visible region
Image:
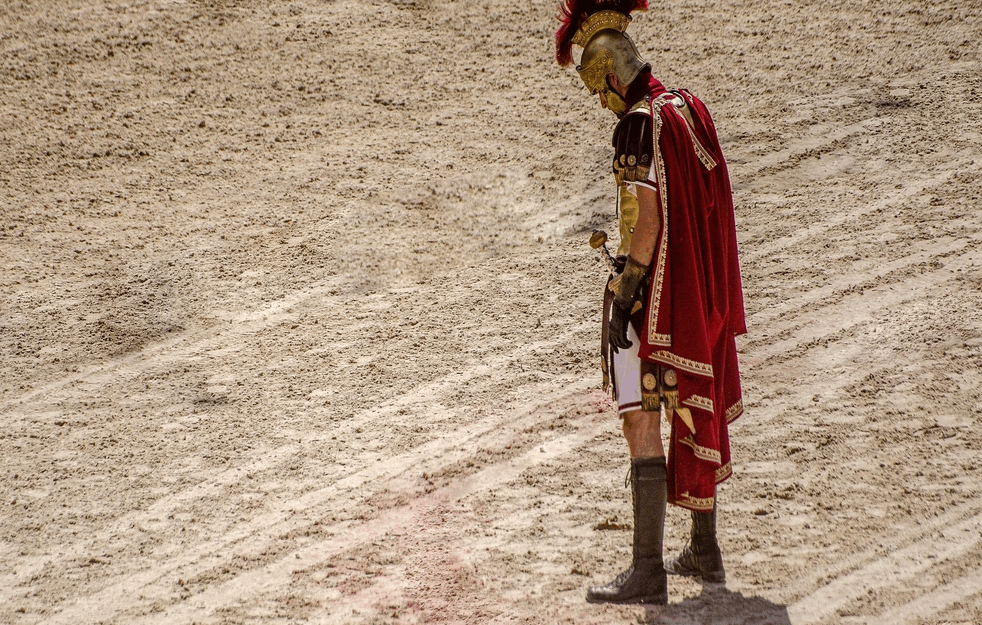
[659, 387]
[633, 144]
[628, 208]
[632, 158]
[601, 20]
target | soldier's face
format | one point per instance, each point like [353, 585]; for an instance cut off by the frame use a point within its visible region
[613, 96]
[603, 99]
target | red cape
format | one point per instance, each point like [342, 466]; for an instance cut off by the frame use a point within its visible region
[695, 302]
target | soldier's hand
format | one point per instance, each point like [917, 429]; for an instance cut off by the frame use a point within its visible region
[620, 318]
[626, 293]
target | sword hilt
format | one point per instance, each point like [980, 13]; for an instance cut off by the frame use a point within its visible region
[598, 241]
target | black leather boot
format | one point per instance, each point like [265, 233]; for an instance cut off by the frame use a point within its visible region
[645, 580]
[701, 557]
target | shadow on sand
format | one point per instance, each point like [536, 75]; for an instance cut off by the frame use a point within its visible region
[717, 606]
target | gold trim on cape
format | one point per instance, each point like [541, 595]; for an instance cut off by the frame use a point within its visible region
[702, 153]
[661, 340]
[658, 275]
[700, 402]
[697, 368]
[702, 453]
[695, 503]
[724, 472]
[705, 157]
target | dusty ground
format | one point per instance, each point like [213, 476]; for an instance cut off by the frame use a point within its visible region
[298, 319]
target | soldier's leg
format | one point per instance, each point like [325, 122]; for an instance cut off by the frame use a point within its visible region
[642, 429]
[701, 557]
[645, 581]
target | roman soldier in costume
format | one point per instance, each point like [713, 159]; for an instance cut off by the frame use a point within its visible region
[673, 305]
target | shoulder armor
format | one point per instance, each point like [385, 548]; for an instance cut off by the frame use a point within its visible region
[633, 149]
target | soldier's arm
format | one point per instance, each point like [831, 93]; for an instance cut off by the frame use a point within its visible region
[647, 227]
[633, 159]
[632, 162]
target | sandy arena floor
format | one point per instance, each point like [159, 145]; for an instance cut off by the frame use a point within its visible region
[299, 323]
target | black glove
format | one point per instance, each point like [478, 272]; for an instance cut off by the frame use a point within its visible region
[620, 312]
[620, 318]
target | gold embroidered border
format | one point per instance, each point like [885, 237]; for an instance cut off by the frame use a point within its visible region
[702, 153]
[702, 403]
[702, 453]
[696, 503]
[658, 277]
[697, 368]
[662, 340]
[734, 411]
[724, 472]
[705, 157]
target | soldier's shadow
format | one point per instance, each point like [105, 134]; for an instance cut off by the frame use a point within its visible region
[717, 605]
